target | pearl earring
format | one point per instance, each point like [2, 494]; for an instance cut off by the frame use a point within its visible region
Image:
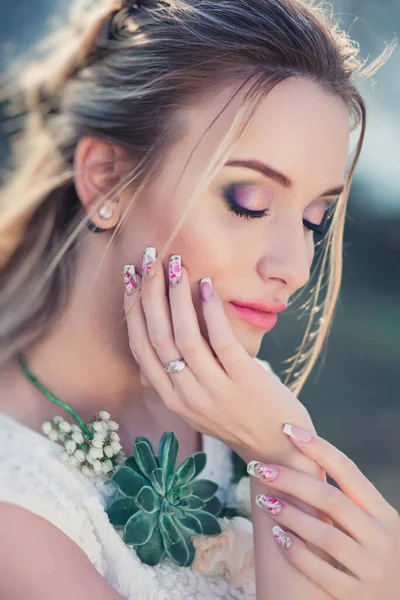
[105, 212]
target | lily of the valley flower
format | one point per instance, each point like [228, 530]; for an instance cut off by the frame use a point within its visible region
[96, 454]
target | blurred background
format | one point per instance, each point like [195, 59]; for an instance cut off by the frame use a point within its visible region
[353, 393]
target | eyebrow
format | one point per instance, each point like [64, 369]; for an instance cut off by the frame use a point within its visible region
[277, 176]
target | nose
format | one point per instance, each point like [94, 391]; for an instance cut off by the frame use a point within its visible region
[288, 257]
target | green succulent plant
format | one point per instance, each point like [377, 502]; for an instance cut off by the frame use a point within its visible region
[162, 508]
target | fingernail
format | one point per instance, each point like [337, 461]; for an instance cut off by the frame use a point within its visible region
[261, 471]
[281, 537]
[131, 280]
[206, 289]
[272, 505]
[149, 258]
[175, 270]
[297, 434]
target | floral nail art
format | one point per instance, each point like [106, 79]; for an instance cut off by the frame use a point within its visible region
[131, 280]
[272, 505]
[261, 471]
[280, 536]
[175, 270]
[149, 257]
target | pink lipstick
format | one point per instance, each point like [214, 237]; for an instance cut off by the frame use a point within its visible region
[262, 315]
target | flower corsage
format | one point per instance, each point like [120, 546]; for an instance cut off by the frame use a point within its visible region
[159, 509]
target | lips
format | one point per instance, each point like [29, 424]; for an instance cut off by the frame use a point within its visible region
[261, 315]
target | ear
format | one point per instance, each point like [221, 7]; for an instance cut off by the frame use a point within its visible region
[97, 165]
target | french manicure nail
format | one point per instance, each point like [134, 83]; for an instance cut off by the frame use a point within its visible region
[272, 505]
[264, 472]
[298, 434]
[206, 289]
[281, 537]
[149, 258]
[175, 270]
[131, 280]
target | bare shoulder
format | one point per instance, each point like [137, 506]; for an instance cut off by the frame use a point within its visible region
[38, 561]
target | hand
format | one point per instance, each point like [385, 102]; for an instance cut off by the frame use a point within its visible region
[229, 396]
[364, 533]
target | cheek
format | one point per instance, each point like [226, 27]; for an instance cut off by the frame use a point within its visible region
[205, 244]
[310, 249]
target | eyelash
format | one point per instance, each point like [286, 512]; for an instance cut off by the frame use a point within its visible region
[320, 230]
[240, 211]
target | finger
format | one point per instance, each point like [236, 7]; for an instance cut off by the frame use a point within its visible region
[157, 313]
[338, 545]
[188, 338]
[144, 382]
[142, 350]
[322, 496]
[344, 471]
[339, 585]
[229, 351]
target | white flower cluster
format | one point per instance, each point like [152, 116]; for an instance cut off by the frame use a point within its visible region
[98, 455]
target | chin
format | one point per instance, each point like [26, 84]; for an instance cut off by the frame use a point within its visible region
[250, 339]
[252, 347]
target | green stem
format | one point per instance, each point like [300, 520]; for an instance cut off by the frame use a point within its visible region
[53, 398]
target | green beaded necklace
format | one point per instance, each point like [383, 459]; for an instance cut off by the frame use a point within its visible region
[29, 375]
[94, 449]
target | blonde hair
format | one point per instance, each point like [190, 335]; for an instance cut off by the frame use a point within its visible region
[128, 89]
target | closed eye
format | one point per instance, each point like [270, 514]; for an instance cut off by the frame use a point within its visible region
[247, 200]
[321, 219]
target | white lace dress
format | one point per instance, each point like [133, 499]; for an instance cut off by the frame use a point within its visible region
[32, 476]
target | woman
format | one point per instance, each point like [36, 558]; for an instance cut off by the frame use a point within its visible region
[212, 135]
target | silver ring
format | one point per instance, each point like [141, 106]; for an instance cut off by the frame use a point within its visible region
[176, 366]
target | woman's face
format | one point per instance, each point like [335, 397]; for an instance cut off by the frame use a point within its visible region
[246, 232]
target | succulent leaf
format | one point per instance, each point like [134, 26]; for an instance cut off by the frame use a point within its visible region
[192, 553]
[168, 454]
[182, 552]
[214, 506]
[185, 491]
[128, 481]
[191, 523]
[152, 552]
[185, 472]
[141, 438]
[209, 523]
[140, 528]
[200, 459]
[204, 488]
[148, 500]
[145, 458]
[192, 503]
[169, 530]
[157, 480]
[165, 507]
[121, 510]
[132, 464]
[178, 512]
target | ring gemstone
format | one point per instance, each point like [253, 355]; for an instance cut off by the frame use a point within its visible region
[176, 366]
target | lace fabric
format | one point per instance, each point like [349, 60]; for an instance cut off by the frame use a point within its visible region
[32, 476]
